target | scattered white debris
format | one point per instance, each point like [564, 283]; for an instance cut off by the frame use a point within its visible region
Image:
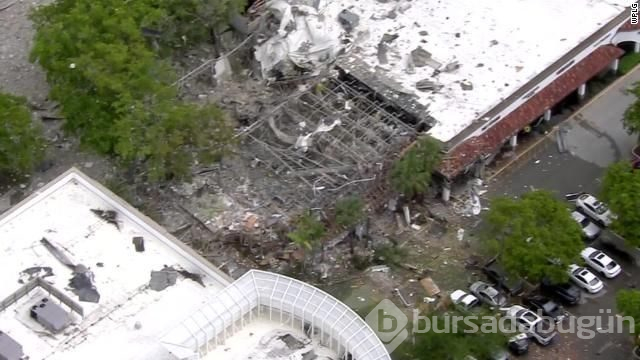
[537, 162]
[460, 235]
[304, 39]
[416, 227]
[303, 142]
[476, 68]
[379, 268]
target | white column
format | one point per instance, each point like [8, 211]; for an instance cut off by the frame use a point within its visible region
[582, 90]
[547, 115]
[636, 47]
[513, 142]
[614, 65]
[446, 191]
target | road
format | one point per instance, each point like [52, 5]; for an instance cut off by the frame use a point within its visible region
[593, 138]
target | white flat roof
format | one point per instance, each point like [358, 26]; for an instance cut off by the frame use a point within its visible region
[285, 303]
[129, 317]
[500, 45]
[252, 342]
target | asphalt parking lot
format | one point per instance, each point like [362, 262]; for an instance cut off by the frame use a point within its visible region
[591, 140]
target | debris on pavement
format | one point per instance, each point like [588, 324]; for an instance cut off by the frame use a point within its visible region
[379, 268]
[430, 286]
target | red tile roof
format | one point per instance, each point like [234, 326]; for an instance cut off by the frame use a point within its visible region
[490, 141]
[629, 27]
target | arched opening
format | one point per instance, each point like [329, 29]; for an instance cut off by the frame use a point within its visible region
[627, 46]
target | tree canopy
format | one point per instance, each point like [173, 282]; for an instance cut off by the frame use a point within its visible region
[308, 231]
[621, 191]
[349, 211]
[411, 175]
[631, 120]
[628, 303]
[454, 345]
[21, 142]
[116, 92]
[534, 236]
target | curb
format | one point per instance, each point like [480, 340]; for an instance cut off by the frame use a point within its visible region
[573, 116]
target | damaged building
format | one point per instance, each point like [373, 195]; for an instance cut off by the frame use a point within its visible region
[472, 75]
[95, 279]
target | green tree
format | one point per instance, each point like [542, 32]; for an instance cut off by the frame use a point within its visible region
[116, 92]
[349, 211]
[21, 142]
[308, 231]
[628, 303]
[456, 343]
[195, 21]
[411, 175]
[621, 191]
[631, 120]
[534, 236]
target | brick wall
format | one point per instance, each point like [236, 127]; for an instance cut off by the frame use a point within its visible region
[492, 140]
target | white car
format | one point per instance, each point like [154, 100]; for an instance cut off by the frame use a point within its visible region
[590, 230]
[601, 262]
[595, 209]
[585, 279]
[541, 329]
[466, 301]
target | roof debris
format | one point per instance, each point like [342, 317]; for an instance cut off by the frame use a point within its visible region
[348, 20]
[31, 273]
[138, 243]
[58, 253]
[83, 284]
[191, 276]
[109, 216]
[162, 279]
[428, 85]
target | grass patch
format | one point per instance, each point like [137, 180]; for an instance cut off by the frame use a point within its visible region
[628, 62]
[393, 256]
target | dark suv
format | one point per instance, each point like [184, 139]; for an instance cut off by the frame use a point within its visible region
[567, 293]
[512, 285]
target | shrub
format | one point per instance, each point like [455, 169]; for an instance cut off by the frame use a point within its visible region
[21, 142]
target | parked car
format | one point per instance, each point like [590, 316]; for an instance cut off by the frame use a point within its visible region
[498, 355]
[601, 262]
[464, 300]
[595, 209]
[590, 230]
[545, 306]
[567, 293]
[495, 273]
[488, 294]
[585, 279]
[531, 324]
[519, 344]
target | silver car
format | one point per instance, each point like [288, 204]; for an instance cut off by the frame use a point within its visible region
[488, 294]
[590, 230]
[595, 209]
